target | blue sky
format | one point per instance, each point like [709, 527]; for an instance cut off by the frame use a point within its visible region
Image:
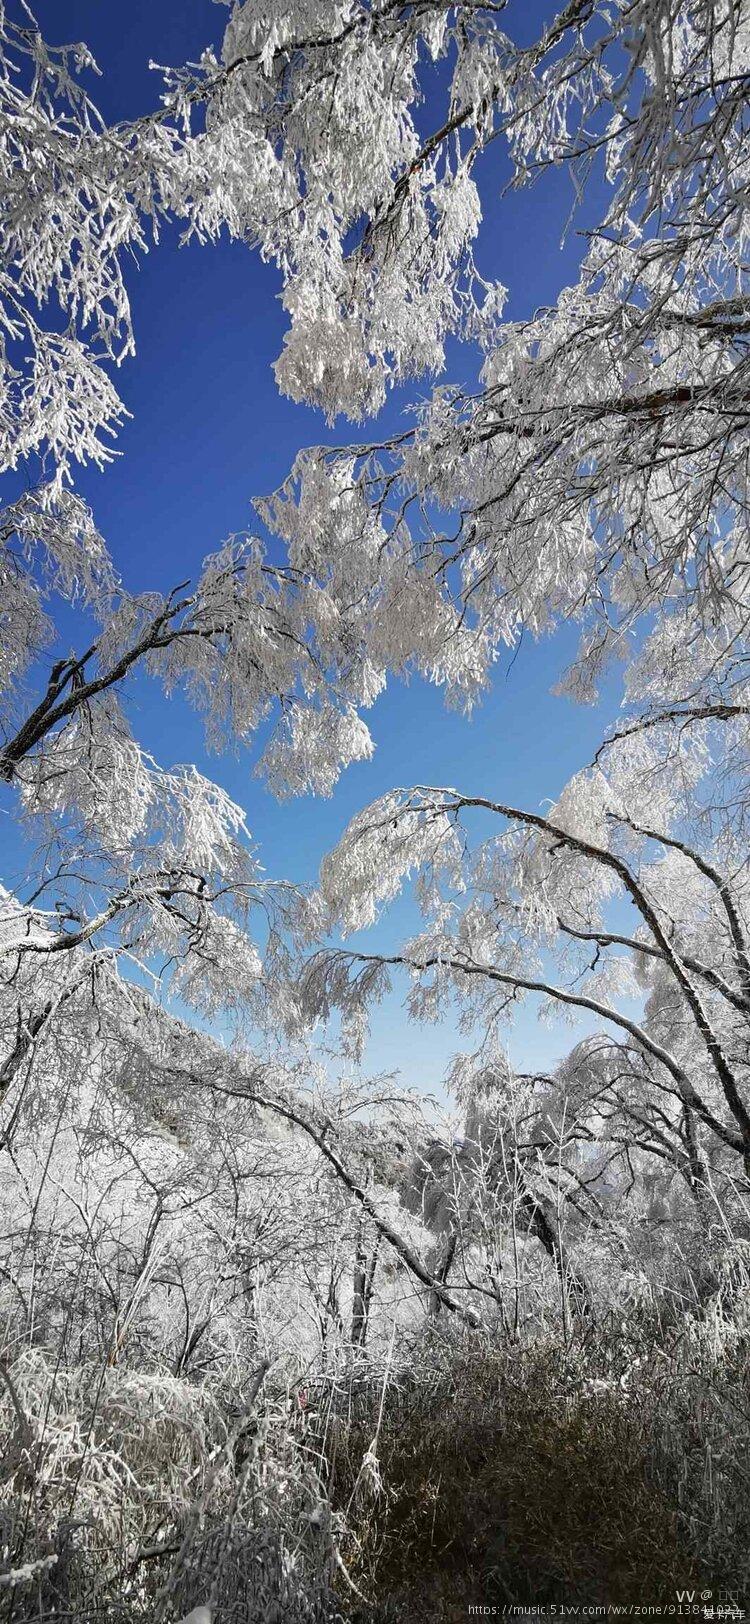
[209, 431]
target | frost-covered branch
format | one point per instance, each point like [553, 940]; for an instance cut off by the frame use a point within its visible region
[546, 888]
[318, 1134]
[562, 995]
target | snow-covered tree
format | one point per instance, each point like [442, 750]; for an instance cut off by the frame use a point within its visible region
[597, 472]
[627, 902]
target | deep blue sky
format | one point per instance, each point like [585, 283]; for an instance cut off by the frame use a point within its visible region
[209, 431]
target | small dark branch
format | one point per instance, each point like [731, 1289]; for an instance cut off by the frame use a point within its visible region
[676, 713]
[719, 881]
[52, 710]
[713, 978]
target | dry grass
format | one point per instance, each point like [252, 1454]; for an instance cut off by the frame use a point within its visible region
[523, 1476]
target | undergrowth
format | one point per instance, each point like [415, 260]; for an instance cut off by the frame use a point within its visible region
[545, 1475]
[464, 1471]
